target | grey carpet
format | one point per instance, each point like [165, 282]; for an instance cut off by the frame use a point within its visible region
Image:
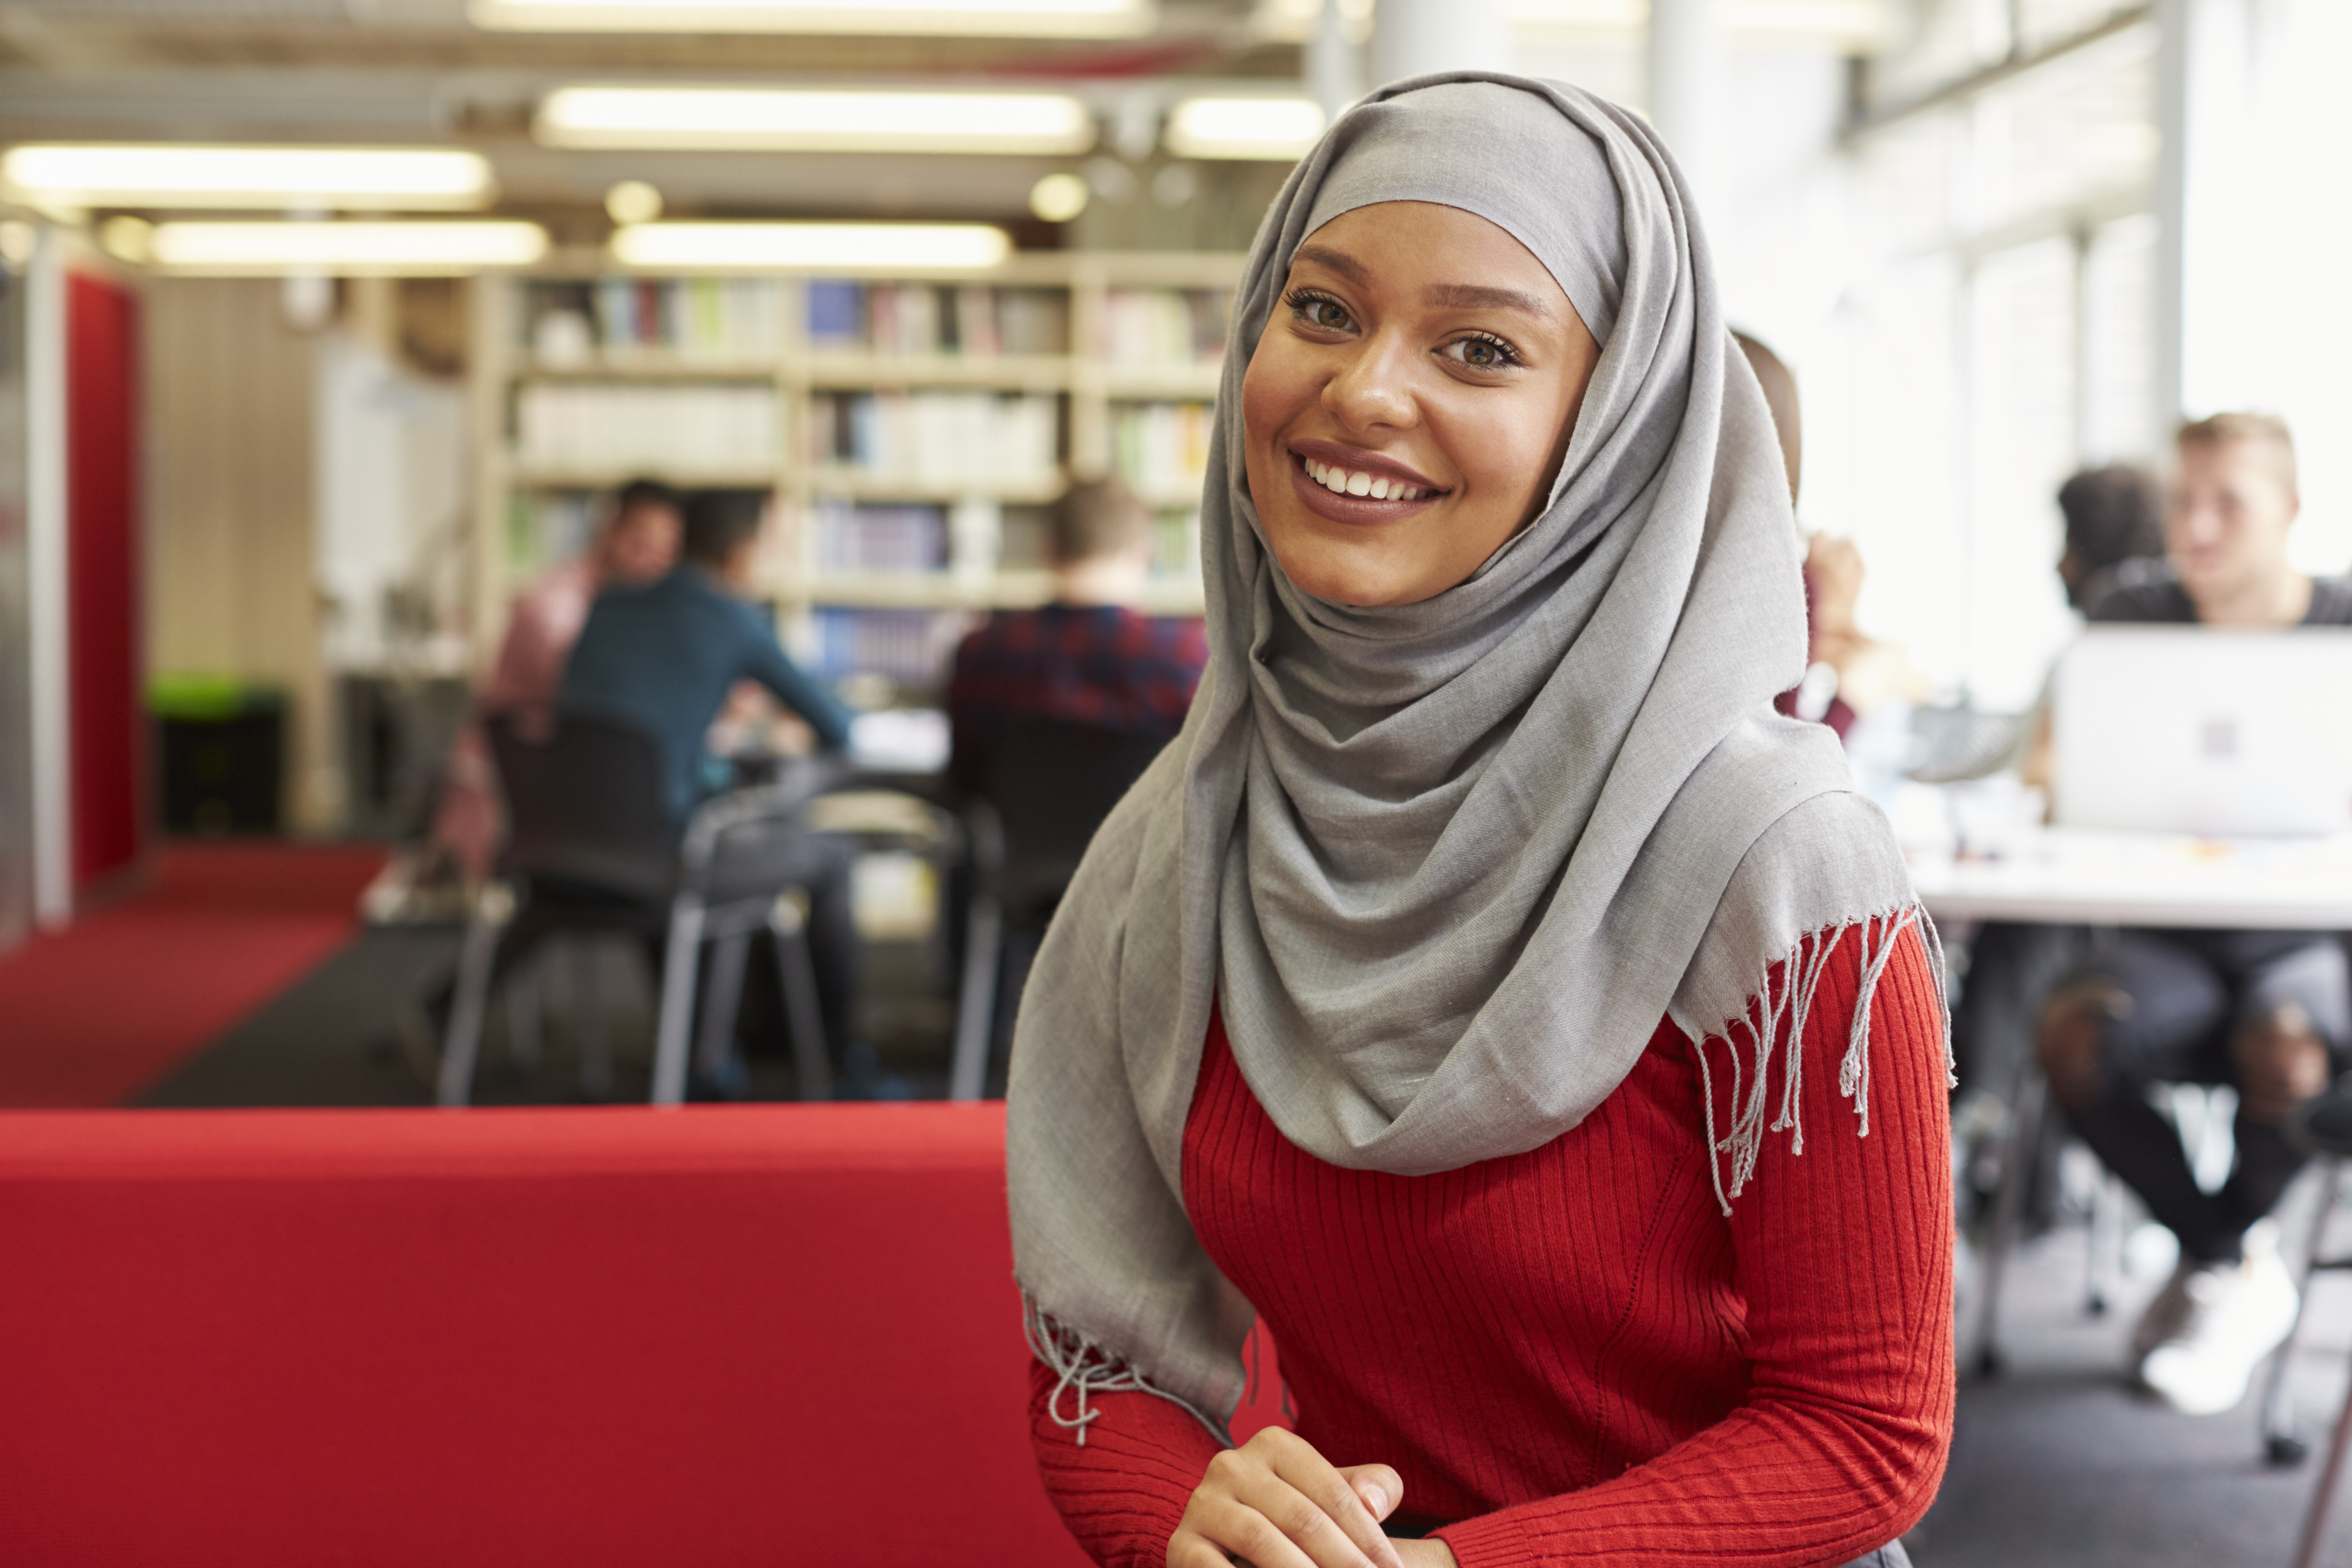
[2058, 1463]
[353, 1032]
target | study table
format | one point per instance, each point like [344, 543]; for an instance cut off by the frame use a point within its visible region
[2077, 876]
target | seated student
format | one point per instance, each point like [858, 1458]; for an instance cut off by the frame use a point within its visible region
[2265, 1012]
[664, 656]
[2113, 535]
[1087, 657]
[637, 544]
[1833, 566]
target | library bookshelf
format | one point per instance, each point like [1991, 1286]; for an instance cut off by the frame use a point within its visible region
[911, 426]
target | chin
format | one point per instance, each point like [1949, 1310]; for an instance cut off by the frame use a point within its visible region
[1341, 582]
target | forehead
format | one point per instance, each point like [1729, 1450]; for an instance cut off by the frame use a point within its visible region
[2233, 460]
[1442, 255]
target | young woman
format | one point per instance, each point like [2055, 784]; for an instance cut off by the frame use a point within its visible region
[1486, 986]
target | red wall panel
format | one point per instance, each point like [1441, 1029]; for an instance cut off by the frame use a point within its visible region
[102, 567]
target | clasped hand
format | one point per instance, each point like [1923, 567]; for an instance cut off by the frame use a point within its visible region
[1274, 1502]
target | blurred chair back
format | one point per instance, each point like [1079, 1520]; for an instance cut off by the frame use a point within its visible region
[584, 806]
[1049, 785]
[1052, 783]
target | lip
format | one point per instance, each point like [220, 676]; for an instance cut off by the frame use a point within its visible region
[1360, 511]
[1357, 461]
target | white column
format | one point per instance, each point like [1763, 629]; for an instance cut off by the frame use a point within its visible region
[1683, 77]
[2175, 22]
[45, 565]
[1415, 37]
[1334, 62]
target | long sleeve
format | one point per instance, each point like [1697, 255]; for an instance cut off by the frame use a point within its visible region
[1843, 1257]
[1124, 1491]
[764, 661]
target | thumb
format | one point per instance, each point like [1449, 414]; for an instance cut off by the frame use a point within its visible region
[1380, 1488]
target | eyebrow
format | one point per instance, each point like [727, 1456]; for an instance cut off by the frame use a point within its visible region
[1481, 296]
[1338, 262]
[1441, 296]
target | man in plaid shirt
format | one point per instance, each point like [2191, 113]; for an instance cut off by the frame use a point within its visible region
[1086, 658]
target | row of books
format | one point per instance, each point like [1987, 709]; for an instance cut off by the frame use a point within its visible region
[936, 319]
[912, 647]
[603, 426]
[1161, 448]
[545, 528]
[701, 319]
[1146, 326]
[938, 438]
[856, 538]
[1176, 544]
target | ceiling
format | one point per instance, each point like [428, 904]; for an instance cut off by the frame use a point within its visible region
[416, 71]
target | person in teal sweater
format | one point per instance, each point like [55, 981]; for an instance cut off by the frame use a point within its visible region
[663, 657]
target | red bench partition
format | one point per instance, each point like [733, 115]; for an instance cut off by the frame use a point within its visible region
[773, 1335]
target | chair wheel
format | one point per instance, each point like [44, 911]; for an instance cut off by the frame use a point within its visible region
[2284, 1451]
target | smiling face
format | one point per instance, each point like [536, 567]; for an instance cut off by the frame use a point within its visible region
[1410, 403]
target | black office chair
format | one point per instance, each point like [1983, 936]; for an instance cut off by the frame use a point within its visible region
[1048, 786]
[591, 850]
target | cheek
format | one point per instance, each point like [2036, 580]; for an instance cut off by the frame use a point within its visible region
[1505, 451]
[1274, 390]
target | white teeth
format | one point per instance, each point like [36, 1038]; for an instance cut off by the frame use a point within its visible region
[1339, 481]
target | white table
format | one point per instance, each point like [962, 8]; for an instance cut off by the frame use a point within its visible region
[2073, 876]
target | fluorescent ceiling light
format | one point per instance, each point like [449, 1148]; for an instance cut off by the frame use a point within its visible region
[173, 175]
[1245, 127]
[964, 18]
[346, 249]
[1859, 22]
[811, 245]
[1050, 124]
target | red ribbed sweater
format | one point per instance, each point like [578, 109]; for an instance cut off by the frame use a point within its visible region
[1571, 1355]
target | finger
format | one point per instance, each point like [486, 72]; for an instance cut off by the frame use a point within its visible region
[1234, 1528]
[1325, 1491]
[1380, 1488]
[1188, 1547]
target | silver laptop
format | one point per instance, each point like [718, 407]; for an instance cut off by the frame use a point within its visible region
[2228, 735]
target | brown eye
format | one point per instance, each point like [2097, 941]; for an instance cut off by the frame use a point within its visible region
[1483, 353]
[1322, 311]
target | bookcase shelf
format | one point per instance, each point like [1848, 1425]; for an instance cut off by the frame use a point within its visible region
[645, 367]
[566, 477]
[1012, 589]
[871, 373]
[848, 392]
[858, 484]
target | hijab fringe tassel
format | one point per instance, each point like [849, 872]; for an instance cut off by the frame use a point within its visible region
[1779, 1012]
[1080, 1364]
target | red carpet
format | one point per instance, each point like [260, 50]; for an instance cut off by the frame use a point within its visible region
[93, 1014]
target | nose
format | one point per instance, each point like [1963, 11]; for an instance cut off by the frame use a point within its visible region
[1372, 390]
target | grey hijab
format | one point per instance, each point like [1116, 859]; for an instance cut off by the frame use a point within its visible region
[1444, 865]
